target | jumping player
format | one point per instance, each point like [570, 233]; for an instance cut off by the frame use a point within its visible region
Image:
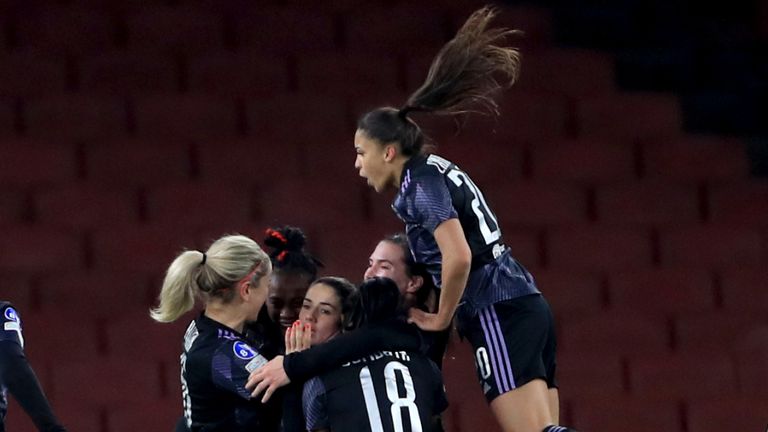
[384, 391]
[231, 277]
[17, 376]
[451, 229]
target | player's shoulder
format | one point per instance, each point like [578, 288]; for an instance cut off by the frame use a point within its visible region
[8, 312]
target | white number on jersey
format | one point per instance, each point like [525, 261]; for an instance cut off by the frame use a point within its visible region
[397, 402]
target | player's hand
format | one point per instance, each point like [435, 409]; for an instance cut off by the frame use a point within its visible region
[428, 321]
[297, 337]
[267, 379]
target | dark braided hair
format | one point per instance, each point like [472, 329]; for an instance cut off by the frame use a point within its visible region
[287, 251]
[464, 78]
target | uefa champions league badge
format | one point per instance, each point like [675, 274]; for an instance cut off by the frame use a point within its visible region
[11, 315]
[243, 351]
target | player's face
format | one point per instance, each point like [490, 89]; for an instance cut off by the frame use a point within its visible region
[286, 295]
[322, 311]
[387, 260]
[371, 162]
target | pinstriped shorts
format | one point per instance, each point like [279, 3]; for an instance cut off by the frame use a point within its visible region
[513, 342]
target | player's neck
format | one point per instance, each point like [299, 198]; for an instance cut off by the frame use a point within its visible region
[228, 315]
[398, 167]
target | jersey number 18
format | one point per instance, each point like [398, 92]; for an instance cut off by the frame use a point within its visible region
[408, 401]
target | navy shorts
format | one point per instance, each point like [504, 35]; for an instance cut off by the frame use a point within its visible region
[513, 342]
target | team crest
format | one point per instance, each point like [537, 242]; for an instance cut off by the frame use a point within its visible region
[243, 351]
[11, 315]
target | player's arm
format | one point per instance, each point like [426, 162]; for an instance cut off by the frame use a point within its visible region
[456, 264]
[300, 366]
[22, 383]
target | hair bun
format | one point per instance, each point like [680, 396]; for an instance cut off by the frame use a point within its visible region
[285, 239]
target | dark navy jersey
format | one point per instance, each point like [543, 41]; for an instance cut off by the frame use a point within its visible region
[215, 366]
[10, 333]
[434, 190]
[17, 376]
[385, 391]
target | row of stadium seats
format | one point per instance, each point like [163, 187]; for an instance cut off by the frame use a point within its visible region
[146, 248]
[190, 28]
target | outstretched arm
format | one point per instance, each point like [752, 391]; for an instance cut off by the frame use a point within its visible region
[22, 383]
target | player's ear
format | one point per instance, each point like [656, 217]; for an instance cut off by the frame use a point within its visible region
[414, 284]
[390, 151]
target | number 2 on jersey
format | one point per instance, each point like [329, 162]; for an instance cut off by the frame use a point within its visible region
[486, 221]
[397, 401]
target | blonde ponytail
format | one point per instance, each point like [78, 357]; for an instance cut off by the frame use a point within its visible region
[210, 274]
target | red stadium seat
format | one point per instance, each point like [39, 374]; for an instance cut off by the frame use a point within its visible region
[54, 336]
[489, 163]
[535, 23]
[28, 248]
[272, 29]
[627, 414]
[663, 292]
[76, 117]
[344, 248]
[83, 206]
[532, 117]
[17, 289]
[525, 245]
[194, 116]
[78, 292]
[238, 74]
[695, 158]
[346, 74]
[175, 28]
[584, 161]
[165, 413]
[7, 117]
[720, 414]
[537, 204]
[312, 203]
[590, 73]
[743, 204]
[582, 376]
[570, 293]
[110, 382]
[138, 162]
[144, 249]
[420, 29]
[743, 289]
[713, 331]
[751, 358]
[620, 331]
[72, 416]
[132, 72]
[318, 120]
[31, 73]
[629, 116]
[250, 161]
[587, 247]
[65, 29]
[711, 246]
[13, 206]
[688, 376]
[199, 205]
[159, 341]
[648, 203]
[36, 162]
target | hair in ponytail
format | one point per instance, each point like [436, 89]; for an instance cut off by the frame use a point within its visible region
[209, 274]
[464, 77]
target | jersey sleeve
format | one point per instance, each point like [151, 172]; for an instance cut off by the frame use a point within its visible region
[231, 365]
[11, 330]
[428, 202]
[18, 377]
[392, 335]
[314, 403]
